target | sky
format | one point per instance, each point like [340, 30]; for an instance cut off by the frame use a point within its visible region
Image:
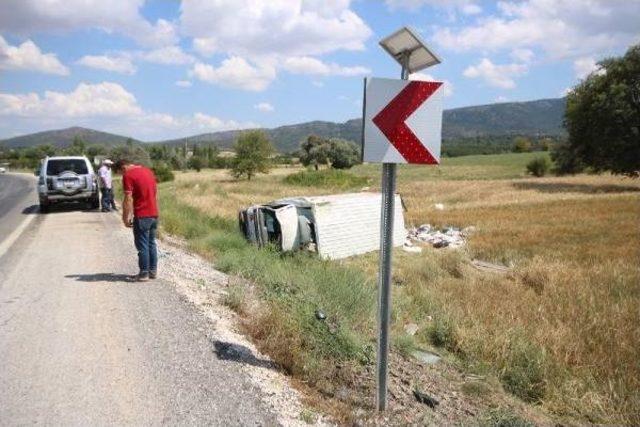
[155, 69]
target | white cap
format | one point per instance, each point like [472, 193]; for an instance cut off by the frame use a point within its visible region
[107, 162]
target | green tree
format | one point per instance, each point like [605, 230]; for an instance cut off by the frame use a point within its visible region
[343, 154]
[603, 119]
[315, 151]
[133, 153]
[77, 148]
[521, 144]
[253, 150]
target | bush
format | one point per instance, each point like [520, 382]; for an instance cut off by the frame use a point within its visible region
[163, 172]
[326, 178]
[539, 166]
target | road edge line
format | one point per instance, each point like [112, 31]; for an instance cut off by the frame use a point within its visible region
[9, 241]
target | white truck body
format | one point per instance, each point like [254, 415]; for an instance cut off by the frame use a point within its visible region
[337, 226]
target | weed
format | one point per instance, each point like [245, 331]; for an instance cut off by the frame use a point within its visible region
[504, 418]
[476, 388]
[308, 416]
[235, 298]
[442, 333]
[404, 344]
[524, 371]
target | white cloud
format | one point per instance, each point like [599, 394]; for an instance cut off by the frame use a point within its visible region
[169, 55]
[501, 98]
[309, 65]
[102, 99]
[446, 4]
[317, 83]
[265, 107]
[585, 66]
[184, 83]
[250, 28]
[496, 75]
[28, 56]
[448, 86]
[562, 29]
[120, 63]
[471, 9]
[235, 72]
[106, 106]
[113, 16]
[522, 55]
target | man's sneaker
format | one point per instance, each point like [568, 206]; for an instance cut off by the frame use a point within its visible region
[140, 277]
[153, 274]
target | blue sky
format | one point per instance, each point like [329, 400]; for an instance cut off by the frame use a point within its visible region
[165, 69]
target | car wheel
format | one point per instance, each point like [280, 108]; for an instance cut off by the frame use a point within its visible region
[44, 208]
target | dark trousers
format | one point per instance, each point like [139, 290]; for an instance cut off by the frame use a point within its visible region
[107, 199]
[144, 235]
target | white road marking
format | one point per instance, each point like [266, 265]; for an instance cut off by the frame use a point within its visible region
[9, 241]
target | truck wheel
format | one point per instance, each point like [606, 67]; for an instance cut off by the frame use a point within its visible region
[94, 202]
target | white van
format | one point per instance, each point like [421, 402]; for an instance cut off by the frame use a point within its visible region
[336, 226]
[67, 179]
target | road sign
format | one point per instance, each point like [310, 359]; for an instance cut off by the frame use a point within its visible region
[402, 121]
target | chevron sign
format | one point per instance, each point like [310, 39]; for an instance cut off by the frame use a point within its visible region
[402, 121]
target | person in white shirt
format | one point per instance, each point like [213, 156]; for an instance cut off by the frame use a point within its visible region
[106, 186]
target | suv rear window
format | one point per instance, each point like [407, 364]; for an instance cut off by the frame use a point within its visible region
[56, 167]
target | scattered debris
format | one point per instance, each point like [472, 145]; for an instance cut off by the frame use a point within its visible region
[426, 357]
[408, 246]
[487, 266]
[422, 397]
[411, 328]
[320, 315]
[439, 206]
[447, 237]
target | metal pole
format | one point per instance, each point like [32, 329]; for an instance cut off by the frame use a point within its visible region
[384, 274]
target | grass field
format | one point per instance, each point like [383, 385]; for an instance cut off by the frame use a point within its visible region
[560, 330]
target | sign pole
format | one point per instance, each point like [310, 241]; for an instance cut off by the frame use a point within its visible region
[384, 274]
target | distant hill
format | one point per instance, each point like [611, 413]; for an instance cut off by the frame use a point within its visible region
[64, 138]
[533, 118]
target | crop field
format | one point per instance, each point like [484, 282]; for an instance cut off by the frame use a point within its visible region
[559, 330]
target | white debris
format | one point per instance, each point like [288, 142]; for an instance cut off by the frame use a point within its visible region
[449, 237]
[408, 247]
[411, 328]
[439, 206]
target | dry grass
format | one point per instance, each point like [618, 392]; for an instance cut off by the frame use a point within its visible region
[562, 329]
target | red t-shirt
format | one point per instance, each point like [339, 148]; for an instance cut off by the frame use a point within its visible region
[140, 182]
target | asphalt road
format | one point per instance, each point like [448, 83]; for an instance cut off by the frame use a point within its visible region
[79, 345]
[17, 192]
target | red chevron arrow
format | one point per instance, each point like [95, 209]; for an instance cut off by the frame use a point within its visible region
[392, 121]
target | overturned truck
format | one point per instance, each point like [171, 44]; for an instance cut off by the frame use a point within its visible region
[336, 226]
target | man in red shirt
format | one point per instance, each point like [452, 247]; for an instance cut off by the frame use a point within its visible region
[140, 211]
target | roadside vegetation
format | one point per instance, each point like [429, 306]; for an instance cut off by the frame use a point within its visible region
[558, 331]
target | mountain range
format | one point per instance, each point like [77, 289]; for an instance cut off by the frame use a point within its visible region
[532, 118]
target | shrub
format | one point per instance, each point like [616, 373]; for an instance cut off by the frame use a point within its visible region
[538, 166]
[163, 172]
[326, 178]
[343, 154]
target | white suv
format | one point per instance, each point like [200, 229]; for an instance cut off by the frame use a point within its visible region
[67, 179]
